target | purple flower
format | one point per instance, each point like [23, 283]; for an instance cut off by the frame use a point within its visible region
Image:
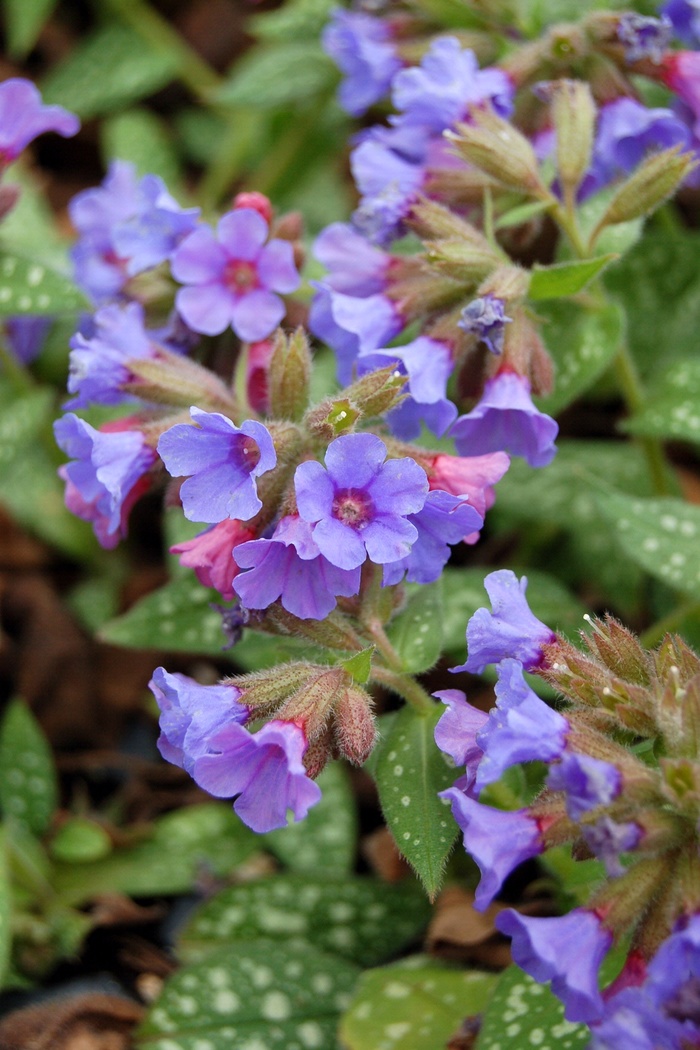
[506, 420]
[107, 474]
[351, 325]
[588, 782]
[428, 364]
[511, 630]
[627, 132]
[232, 277]
[443, 519]
[358, 503]
[361, 47]
[684, 16]
[633, 1022]
[448, 81]
[264, 769]
[23, 117]
[290, 566]
[485, 317]
[520, 728]
[220, 462]
[567, 950]
[126, 226]
[456, 730]
[355, 267]
[210, 554]
[607, 839]
[496, 839]
[644, 37]
[190, 714]
[388, 184]
[99, 364]
[26, 335]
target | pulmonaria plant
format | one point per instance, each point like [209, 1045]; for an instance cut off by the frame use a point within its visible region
[621, 785]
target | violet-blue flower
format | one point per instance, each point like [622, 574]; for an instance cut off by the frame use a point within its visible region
[99, 364]
[627, 132]
[210, 554]
[498, 840]
[233, 277]
[26, 335]
[456, 730]
[443, 520]
[486, 318]
[608, 838]
[511, 630]
[355, 267]
[290, 567]
[505, 419]
[264, 769]
[106, 474]
[428, 364]
[567, 950]
[588, 782]
[351, 325]
[190, 714]
[438, 92]
[643, 36]
[520, 728]
[358, 504]
[23, 117]
[684, 16]
[221, 462]
[388, 184]
[361, 46]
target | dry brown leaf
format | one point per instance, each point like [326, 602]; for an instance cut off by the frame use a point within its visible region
[94, 1021]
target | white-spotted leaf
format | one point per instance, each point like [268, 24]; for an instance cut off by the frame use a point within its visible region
[523, 1013]
[582, 341]
[259, 995]
[416, 633]
[30, 287]
[410, 771]
[661, 535]
[28, 786]
[673, 409]
[360, 919]
[326, 840]
[417, 1003]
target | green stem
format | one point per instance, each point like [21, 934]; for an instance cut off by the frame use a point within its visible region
[633, 393]
[406, 686]
[197, 74]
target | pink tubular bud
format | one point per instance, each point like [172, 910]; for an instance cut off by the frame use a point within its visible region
[355, 729]
[257, 201]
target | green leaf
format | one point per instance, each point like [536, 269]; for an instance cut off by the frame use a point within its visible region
[285, 74]
[260, 994]
[417, 1003]
[359, 666]
[464, 593]
[5, 910]
[326, 841]
[582, 342]
[416, 632]
[176, 617]
[111, 68]
[29, 287]
[661, 535]
[566, 278]
[658, 285]
[523, 1013]
[410, 773]
[24, 20]
[295, 20]
[360, 919]
[80, 840]
[140, 137]
[672, 410]
[28, 787]
[182, 845]
[521, 213]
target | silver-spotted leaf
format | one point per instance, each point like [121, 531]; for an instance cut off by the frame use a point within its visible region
[28, 785]
[673, 408]
[30, 287]
[416, 633]
[177, 617]
[583, 341]
[523, 1013]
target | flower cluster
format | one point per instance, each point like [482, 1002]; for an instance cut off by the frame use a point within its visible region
[621, 786]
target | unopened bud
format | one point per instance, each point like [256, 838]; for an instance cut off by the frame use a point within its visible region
[311, 704]
[433, 221]
[378, 391]
[288, 376]
[263, 691]
[257, 202]
[506, 282]
[499, 149]
[654, 181]
[331, 418]
[9, 195]
[171, 379]
[355, 729]
[573, 116]
[317, 753]
[462, 260]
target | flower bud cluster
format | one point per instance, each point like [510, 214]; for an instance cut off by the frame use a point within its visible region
[623, 785]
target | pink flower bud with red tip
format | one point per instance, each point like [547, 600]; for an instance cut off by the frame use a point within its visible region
[257, 201]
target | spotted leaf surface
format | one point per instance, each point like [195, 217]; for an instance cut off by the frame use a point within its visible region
[661, 535]
[184, 845]
[523, 1013]
[326, 840]
[28, 287]
[361, 919]
[410, 771]
[582, 342]
[673, 410]
[28, 789]
[262, 995]
[416, 1003]
[416, 633]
